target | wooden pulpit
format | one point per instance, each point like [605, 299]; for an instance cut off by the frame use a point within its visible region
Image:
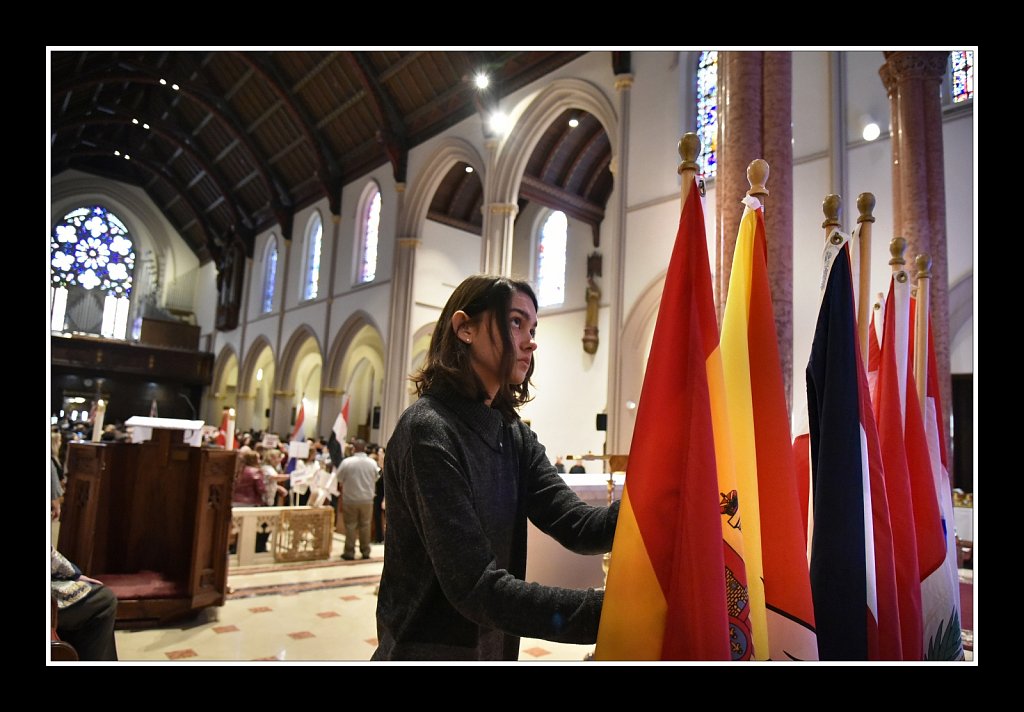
[151, 521]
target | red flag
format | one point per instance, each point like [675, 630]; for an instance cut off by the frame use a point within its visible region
[666, 586]
[889, 413]
[299, 421]
[341, 422]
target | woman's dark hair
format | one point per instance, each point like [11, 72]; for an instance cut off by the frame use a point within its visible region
[448, 365]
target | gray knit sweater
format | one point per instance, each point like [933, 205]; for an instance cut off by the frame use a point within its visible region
[460, 484]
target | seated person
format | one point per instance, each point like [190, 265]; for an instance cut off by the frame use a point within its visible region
[249, 486]
[577, 468]
[86, 610]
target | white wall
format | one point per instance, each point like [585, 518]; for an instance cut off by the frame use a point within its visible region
[570, 385]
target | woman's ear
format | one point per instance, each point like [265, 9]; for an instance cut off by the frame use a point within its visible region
[463, 327]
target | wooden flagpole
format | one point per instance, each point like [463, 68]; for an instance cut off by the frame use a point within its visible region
[831, 207]
[757, 176]
[924, 275]
[865, 206]
[689, 149]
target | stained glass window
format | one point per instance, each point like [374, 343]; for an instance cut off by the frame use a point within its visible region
[90, 249]
[314, 238]
[551, 248]
[963, 75]
[270, 275]
[370, 238]
[707, 113]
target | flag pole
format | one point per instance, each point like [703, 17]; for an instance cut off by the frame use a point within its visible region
[831, 206]
[689, 149]
[865, 206]
[924, 274]
[757, 176]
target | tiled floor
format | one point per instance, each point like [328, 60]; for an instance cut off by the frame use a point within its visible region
[315, 613]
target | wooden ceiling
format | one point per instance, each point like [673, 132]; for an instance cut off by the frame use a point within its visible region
[230, 143]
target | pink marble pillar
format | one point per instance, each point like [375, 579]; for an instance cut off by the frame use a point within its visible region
[755, 121]
[913, 81]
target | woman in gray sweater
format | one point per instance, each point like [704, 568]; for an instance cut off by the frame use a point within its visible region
[464, 474]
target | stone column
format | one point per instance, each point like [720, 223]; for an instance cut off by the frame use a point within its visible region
[499, 236]
[913, 81]
[281, 413]
[616, 407]
[244, 410]
[755, 121]
[396, 360]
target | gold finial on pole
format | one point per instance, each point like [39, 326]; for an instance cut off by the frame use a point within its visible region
[865, 221]
[924, 273]
[831, 207]
[757, 176]
[689, 149]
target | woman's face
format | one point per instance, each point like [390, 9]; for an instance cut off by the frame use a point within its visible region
[486, 347]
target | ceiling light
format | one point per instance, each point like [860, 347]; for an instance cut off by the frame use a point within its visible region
[499, 123]
[573, 123]
[116, 152]
[482, 81]
[163, 81]
[127, 157]
[175, 87]
[135, 121]
[469, 169]
[871, 132]
[145, 126]
[259, 374]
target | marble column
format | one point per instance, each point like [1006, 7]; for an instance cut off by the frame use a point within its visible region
[913, 81]
[616, 406]
[755, 121]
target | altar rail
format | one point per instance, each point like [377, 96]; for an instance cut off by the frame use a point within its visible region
[268, 535]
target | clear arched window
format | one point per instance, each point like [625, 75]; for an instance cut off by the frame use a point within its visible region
[269, 274]
[707, 112]
[369, 232]
[314, 242]
[551, 246]
[92, 258]
[962, 78]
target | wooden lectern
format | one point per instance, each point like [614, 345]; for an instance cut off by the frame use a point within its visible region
[151, 521]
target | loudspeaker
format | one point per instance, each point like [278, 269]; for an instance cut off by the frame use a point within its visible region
[376, 417]
[602, 421]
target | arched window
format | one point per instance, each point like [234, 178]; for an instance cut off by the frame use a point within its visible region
[707, 113]
[369, 229]
[269, 274]
[551, 246]
[314, 240]
[962, 78]
[91, 263]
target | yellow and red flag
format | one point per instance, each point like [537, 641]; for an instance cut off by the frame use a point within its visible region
[774, 546]
[666, 597]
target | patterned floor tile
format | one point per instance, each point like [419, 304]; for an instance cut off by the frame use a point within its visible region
[181, 654]
[537, 652]
[226, 629]
[299, 635]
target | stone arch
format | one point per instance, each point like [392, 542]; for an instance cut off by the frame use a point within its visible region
[290, 354]
[217, 398]
[247, 370]
[632, 356]
[448, 152]
[531, 119]
[334, 363]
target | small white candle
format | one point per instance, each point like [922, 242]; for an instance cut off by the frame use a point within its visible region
[229, 436]
[97, 423]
